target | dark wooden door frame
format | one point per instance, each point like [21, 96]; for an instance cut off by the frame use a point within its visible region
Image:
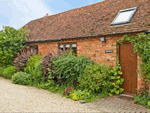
[118, 54]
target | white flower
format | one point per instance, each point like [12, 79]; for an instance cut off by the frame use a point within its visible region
[3, 37]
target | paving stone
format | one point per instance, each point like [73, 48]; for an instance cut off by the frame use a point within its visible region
[115, 104]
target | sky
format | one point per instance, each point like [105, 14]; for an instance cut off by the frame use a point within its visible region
[17, 13]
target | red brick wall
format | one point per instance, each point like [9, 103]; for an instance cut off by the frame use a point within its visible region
[140, 81]
[43, 48]
[93, 48]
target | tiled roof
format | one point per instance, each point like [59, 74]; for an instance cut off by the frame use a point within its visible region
[91, 20]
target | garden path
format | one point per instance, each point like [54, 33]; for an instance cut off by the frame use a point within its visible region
[19, 98]
[117, 104]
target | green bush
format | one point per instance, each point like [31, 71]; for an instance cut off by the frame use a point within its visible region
[35, 69]
[52, 86]
[47, 85]
[21, 78]
[80, 95]
[69, 68]
[1, 70]
[101, 79]
[143, 99]
[9, 71]
[11, 42]
[85, 95]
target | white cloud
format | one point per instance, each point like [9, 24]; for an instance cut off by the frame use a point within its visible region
[20, 12]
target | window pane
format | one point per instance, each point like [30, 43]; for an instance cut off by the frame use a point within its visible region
[61, 46]
[74, 45]
[74, 50]
[67, 45]
[34, 49]
[31, 49]
[124, 16]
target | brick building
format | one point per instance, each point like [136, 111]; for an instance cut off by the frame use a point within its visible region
[93, 30]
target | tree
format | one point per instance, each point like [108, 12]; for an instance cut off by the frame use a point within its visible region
[11, 42]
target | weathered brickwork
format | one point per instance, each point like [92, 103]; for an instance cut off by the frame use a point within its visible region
[140, 81]
[95, 49]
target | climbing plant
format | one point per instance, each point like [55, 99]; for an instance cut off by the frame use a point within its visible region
[141, 43]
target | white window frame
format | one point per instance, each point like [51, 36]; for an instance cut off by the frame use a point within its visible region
[129, 19]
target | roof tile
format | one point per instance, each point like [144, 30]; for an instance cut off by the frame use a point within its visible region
[90, 20]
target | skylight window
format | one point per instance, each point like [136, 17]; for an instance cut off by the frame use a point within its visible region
[124, 16]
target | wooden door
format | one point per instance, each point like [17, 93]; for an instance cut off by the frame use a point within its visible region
[128, 62]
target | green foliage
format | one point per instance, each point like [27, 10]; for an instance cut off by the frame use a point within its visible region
[52, 86]
[148, 105]
[96, 78]
[102, 79]
[21, 78]
[11, 42]
[32, 61]
[47, 85]
[2, 70]
[85, 95]
[57, 88]
[143, 99]
[9, 71]
[90, 80]
[69, 68]
[142, 48]
[80, 95]
[34, 68]
[116, 69]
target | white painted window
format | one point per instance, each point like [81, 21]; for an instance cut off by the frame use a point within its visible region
[74, 45]
[68, 46]
[61, 46]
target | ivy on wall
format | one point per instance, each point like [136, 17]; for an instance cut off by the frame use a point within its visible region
[141, 44]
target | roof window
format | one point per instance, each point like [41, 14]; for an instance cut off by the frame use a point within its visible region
[124, 16]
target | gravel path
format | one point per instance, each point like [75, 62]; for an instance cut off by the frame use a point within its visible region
[19, 98]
